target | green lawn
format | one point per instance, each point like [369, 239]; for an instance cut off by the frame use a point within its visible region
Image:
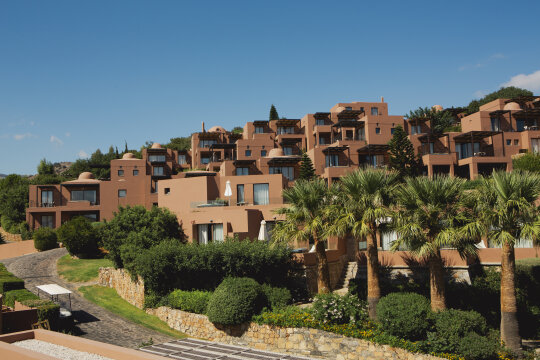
[529, 261]
[80, 270]
[110, 300]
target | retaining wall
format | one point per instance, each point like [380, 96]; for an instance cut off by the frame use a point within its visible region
[120, 280]
[9, 236]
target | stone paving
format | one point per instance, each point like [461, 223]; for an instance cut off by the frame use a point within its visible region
[92, 321]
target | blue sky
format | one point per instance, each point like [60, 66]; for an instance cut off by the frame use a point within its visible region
[81, 75]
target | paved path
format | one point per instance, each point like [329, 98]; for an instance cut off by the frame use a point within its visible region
[92, 321]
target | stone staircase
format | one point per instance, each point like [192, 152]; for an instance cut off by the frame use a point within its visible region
[348, 274]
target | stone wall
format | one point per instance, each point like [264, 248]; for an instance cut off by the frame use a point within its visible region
[298, 341]
[10, 237]
[120, 279]
[335, 268]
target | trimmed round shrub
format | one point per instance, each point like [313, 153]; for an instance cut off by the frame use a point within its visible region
[276, 297]
[476, 347]
[235, 301]
[190, 301]
[337, 309]
[45, 239]
[79, 237]
[405, 315]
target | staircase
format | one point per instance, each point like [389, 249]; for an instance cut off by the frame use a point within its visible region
[348, 274]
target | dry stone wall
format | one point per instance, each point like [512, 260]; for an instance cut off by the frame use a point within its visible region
[120, 279]
[335, 268]
[10, 237]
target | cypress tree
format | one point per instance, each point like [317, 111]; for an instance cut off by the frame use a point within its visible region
[402, 157]
[307, 171]
[273, 113]
[126, 148]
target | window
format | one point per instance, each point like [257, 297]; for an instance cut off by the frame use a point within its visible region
[120, 172]
[467, 149]
[287, 150]
[377, 130]
[158, 171]
[285, 130]
[248, 152]
[167, 191]
[122, 193]
[135, 172]
[47, 198]
[432, 148]
[348, 135]
[47, 221]
[263, 152]
[259, 130]
[348, 107]
[205, 159]
[319, 121]
[416, 129]
[154, 186]
[495, 124]
[182, 159]
[535, 145]
[374, 111]
[516, 142]
[332, 160]
[156, 158]
[387, 238]
[84, 195]
[207, 143]
[392, 130]
[508, 142]
[242, 171]
[240, 199]
[287, 171]
[91, 217]
[520, 125]
[361, 134]
[260, 194]
[322, 141]
[210, 233]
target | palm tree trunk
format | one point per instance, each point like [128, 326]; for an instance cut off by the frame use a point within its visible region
[323, 274]
[373, 287]
[436, 282]
[509, 324]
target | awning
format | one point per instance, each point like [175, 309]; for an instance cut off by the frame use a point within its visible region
[474, 136]
[348, 123]
[335, 149]
[373, 148]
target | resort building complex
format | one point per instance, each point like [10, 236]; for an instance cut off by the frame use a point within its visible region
[229, 182]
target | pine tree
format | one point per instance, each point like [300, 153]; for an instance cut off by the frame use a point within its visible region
[402, 156]
[273, 113]
[307, 171]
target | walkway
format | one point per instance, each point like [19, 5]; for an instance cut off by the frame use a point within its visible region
[92, 321]
[19, 248]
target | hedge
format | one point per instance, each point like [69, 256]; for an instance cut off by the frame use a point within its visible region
[10, 282]
[45, 239]
[46, 310]
[19, 295]
[190, 301]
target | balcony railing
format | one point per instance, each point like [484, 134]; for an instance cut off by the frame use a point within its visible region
[233, 202]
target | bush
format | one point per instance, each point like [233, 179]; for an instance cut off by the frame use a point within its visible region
[529, 162]
[45, 239]
[10, 282]
[46, 310]
[405, 315]
[336, 309]
[276, 297]
[190, 301]
[477, 347]
[235, 301]
[172, 265]
[19, 295]
[79, 237]
[25, 232]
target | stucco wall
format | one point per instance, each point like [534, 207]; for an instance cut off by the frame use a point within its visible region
[120, 280]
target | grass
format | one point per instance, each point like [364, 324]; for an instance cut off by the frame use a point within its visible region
[80, 270]
[529, 261]
[110, 300]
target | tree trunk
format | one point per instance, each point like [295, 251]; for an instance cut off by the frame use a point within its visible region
[323, 274]
[373, 287]
[436, 282]
[509, 324]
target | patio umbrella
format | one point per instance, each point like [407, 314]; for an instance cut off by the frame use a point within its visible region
[263, 232]
[228, 191]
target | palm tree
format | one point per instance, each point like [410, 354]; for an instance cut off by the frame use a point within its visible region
[305, 219]
[365, 197]
[506, 213]
[431, 215]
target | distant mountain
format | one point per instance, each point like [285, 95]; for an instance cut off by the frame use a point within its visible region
[2, 176]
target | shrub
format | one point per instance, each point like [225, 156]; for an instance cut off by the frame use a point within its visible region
[235, 301]
[529, 162]
[336, 309]
[19, 295]
[476, 347]
[190, 301]
[276, 297]
[46, 310]
[405, 315]
[79, 237]
[10, 282]
[45, 239]
[451, 326]
[25, 232]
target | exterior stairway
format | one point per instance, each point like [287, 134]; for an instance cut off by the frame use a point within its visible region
[348, 274]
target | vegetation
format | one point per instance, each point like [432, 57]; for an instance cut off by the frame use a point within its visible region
[238, 130]
[527, 162]
[79, 237]
[337, 309]
[13, 202]
[307, 218]
[307, 171]
[235, 301]
[440, 121]
[45, 239]
[46, 310]
[179, 143]
[110, 300]
[45, 167]
[402, 157]
[503, 93]
[191, 301]
[273, 113]
[18, 295]
[276, 297]
[80, 270]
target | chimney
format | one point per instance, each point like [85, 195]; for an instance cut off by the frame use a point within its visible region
[203, 127]
[382, 99]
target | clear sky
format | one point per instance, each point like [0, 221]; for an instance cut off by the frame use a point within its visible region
[80, 75]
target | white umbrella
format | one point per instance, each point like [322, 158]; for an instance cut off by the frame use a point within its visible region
[228, 191]
[263, 232]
